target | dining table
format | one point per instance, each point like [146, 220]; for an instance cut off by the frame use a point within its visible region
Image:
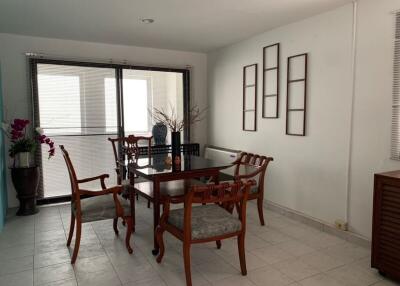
[158, 170]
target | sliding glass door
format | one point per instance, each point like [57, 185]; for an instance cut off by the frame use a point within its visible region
[145, 90]
[80, 105]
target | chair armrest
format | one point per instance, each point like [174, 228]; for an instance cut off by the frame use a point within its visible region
[112, 190]
[101, 178]
[248, 176]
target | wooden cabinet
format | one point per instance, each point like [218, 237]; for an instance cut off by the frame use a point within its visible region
[386, 224]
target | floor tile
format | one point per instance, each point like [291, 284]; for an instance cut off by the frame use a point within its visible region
[14, 265]
[58, 234]
[269, 276]
[104, 278]
[68, 282]
[273, 236]
[216, 270]
[254, 242]
[321, 261]
[235, 281]
[347, 252]
[295, 248]
[353, 275]
[178, 278]
[92, 265]
[320, 280]
[272, 254]
[17, 251]
[89, 250]
[51, 258]
[296, 269]
[53, 273]
[252, 261]
[50, 245]
[156, 281]
[127, 273]
[24, 278]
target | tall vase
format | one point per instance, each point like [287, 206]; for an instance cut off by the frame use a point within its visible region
[159, 133]
[26, 183]
[176, 148]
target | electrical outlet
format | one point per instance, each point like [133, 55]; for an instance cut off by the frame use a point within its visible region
[340, 224]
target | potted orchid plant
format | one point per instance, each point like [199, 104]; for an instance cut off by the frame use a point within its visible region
[26, 177]
[22, 145]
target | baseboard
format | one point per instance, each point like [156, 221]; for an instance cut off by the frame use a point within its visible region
[318, 224]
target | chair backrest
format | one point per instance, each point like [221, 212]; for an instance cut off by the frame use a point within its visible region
[226, 195]
[115, 143]
[253, 162]
[130, 148]
[132, 144]
[72, 175]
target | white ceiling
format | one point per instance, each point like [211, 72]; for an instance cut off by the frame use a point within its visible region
[192, 25]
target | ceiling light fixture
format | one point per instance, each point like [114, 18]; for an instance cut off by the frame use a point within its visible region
[147, 20]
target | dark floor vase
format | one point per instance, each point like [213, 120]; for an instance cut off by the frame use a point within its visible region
[26, 182]
[175, 145]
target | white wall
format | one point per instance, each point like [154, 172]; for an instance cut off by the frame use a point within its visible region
[17, 101]
[372, 110]
[309, 173]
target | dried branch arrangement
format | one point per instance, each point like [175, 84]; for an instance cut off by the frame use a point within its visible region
[171, 120]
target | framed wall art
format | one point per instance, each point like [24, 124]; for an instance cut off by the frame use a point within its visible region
[250, 98]
[296, 99]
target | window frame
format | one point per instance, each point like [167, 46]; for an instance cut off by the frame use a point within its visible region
[33, 71]
[395, 127]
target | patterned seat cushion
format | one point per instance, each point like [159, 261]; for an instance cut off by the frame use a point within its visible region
[101, 207]
[253, 189]
[207, 221]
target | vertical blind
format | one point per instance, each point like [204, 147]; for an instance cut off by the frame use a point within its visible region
[78, 106]
[395, 148]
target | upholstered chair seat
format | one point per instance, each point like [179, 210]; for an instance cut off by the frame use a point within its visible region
[100, 208]
[207, 221]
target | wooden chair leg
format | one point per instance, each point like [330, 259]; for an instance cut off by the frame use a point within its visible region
[71, 229]
[129, 224]
[242, 255]
[186, 260]
[260, 210]
[218, 244]
[77, 241]
[160, 240]
[115, 225]
[133, 215]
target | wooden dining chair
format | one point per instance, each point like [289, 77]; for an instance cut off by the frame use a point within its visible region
[252, 166]
[88, 206]
[130, 150]
[211, 220]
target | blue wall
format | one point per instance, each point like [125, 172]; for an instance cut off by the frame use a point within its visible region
[3, 186]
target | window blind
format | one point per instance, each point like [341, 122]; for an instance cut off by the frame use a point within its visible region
[77, 108]
[395, 148]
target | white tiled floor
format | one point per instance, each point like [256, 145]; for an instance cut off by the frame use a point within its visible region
[286, 252]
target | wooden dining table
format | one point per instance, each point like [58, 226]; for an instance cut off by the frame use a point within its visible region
[157, 171]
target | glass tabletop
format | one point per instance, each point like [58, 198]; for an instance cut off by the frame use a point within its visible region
[162, 164]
